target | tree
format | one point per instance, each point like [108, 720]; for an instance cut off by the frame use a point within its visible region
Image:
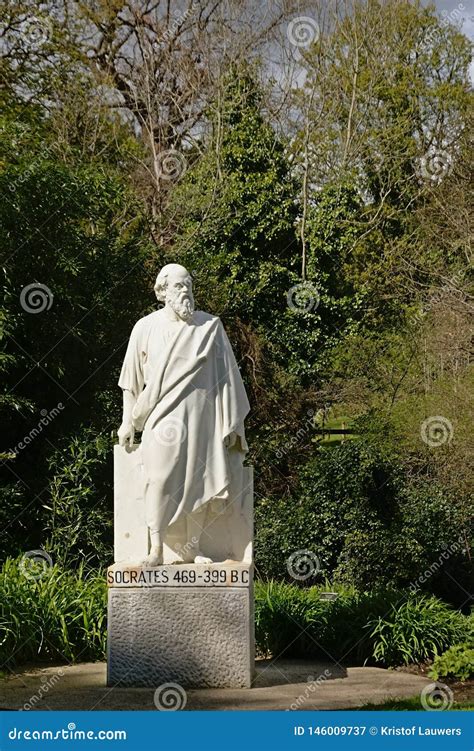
[75, 258]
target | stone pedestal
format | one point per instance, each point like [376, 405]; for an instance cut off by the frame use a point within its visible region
[185, 624]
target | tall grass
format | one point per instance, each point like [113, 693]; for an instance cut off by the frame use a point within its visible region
[58, 616]
[385, 627]
[417, 630]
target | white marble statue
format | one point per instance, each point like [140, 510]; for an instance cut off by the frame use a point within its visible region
[182, 388]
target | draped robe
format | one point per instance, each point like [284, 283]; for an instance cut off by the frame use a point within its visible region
[189, 398]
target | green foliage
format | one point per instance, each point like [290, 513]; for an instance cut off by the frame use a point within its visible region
[51, 614]
[416, 631]
[333, 235]
[368, 523]
[78, 231]
[85, 212]
[457, 663]
[78, 521]
[385, 627]
[235, 214]
[16, 533]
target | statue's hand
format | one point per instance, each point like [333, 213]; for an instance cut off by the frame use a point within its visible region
[126, 434]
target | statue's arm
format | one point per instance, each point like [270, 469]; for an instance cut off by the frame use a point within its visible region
[126, 432]
[131, 382]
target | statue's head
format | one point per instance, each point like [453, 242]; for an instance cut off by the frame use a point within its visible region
[174, 287]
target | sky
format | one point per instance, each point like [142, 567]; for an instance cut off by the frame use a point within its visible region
[466, 9]
[453, 10]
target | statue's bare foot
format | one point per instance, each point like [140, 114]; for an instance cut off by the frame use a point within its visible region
[155, 557]
[202, 559]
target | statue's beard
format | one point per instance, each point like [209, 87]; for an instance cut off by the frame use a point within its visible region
[182, 304]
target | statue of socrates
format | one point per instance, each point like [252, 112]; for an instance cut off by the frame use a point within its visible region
[182, 387]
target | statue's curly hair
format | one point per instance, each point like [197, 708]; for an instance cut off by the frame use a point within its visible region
[162, 279]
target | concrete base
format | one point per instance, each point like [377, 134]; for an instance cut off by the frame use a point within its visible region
[199, 637]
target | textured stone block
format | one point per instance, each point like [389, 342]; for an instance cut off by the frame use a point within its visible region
[193, 636]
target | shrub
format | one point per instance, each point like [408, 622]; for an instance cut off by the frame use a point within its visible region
[386, 627]
[78, 511]
[48, 614]
[456, 662]
[370, 524]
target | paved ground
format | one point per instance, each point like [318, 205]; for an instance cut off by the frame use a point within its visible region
[285, 684]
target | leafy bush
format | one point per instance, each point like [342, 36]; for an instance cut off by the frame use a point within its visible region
[370, 524]
[78, 512]
[355, 627]
[48, 614]
[456, 662]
